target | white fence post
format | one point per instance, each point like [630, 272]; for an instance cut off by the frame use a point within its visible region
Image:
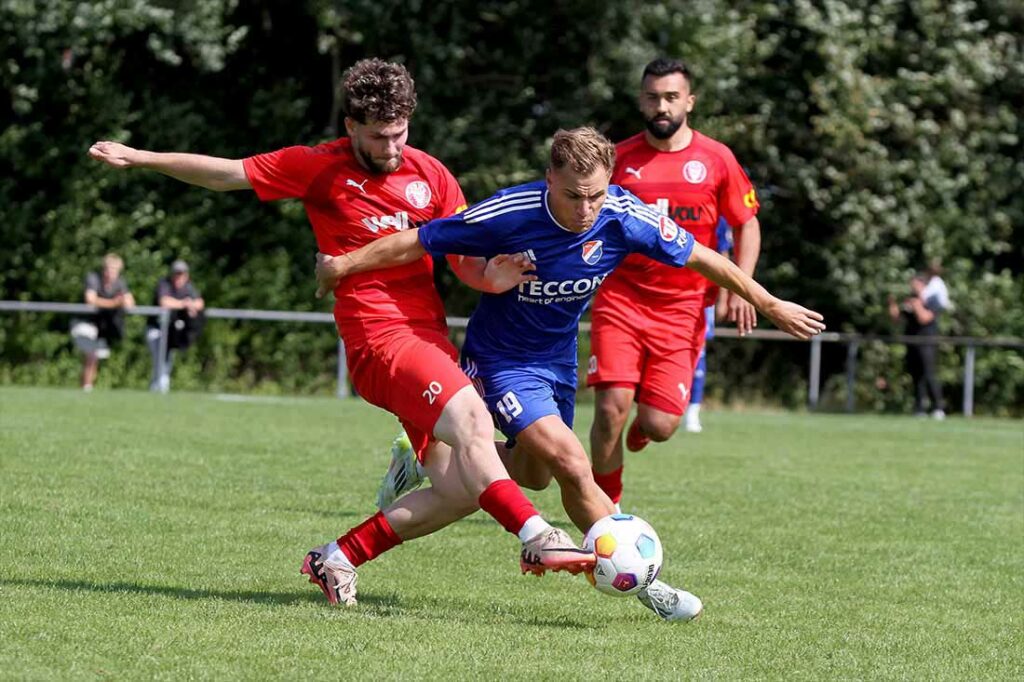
[342, 391]
[814, 381]
[969, 381]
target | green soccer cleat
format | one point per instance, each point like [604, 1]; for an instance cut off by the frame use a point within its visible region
[403, 473]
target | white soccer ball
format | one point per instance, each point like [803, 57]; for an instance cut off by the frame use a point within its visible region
[629, 554]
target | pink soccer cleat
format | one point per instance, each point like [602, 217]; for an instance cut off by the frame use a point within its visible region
[337, 582]
[554, 550]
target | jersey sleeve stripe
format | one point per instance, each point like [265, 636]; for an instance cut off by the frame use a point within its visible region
[495, 201]
[502, 210]
[644, 216]
[639, 206]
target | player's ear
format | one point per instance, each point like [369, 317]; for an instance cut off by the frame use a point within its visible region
[350, 126]
[547, 175]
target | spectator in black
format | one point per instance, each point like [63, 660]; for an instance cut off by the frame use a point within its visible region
[95, 335]
[920, 313]
[177, 294]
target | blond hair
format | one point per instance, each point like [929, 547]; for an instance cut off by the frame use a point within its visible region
[584, 150]
[114, 261]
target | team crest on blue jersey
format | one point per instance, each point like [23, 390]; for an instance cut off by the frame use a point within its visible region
[668, 228]
[592, 251]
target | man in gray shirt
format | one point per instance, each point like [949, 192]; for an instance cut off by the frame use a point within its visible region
[109, 293]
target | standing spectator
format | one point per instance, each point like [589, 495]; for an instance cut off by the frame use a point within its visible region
[936, 286]
[920, 313]
[177, 294]
[108, 292]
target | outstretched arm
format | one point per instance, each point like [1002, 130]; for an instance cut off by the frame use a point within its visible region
[211, 172]
[494, 276]
[387, 252]
[789, 317]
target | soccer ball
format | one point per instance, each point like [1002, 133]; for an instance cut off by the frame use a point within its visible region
[628, 553]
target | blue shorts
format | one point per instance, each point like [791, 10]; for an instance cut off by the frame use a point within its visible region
[518, 395]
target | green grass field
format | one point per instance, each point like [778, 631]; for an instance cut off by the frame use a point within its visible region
[160, 537]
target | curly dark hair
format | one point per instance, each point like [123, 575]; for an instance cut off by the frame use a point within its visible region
[376, 90]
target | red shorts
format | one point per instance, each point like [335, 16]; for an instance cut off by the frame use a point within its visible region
[652, 350]
[411, 372]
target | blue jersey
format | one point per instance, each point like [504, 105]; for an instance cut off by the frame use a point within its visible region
[538, 322]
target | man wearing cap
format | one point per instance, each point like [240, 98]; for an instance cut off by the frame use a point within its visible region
[177, 294]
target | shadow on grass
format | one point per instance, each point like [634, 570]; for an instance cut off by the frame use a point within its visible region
[326, 513]
[382, 605]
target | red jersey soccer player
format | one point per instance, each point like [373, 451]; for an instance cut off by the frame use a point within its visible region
[648, 319]
[356, 190]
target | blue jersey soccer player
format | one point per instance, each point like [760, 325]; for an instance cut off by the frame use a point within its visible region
[520, 347]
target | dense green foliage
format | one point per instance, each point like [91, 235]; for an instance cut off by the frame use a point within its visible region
[882, 134]
[165, 545]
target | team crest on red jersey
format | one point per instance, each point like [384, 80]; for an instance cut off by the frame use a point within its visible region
[592, 251]
[695, 172]
[418, 193]
[668, 228]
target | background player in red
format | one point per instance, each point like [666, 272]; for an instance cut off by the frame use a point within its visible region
[356, 190]
[648, 319]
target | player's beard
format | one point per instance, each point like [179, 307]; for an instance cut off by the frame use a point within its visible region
[662, 127]
[375, 166]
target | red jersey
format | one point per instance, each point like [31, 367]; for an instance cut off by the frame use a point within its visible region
[348, 207]
[693, 186]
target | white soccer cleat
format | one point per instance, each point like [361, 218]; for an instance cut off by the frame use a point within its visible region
[669, 603]
[403, 473]
[336, 581]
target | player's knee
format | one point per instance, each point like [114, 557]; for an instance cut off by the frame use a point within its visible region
[610, 413]
[533, 480]
[570, 466]
[474, 427]
[659, 427]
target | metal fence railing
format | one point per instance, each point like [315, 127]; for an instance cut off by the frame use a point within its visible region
[853, 341]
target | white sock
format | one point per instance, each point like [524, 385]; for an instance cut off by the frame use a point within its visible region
[534, 526]
[336, 556]
[693, 410]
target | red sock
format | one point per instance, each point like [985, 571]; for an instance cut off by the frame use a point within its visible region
[611, 484]
[368, 540]
[507, 504]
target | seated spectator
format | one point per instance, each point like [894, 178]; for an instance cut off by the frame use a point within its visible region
[177, 294]
[95, 335]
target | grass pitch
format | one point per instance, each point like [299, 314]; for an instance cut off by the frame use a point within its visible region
[160, 537]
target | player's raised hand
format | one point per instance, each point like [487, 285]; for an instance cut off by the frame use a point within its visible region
[795, 320]
[742, 313]
[113, 154]
[506, 272]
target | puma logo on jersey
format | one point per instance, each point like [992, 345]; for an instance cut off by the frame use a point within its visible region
[359, 185]
[685, 391]
[397, 222]
[633, 171]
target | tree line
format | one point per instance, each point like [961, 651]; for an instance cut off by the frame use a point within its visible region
[881, 135]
